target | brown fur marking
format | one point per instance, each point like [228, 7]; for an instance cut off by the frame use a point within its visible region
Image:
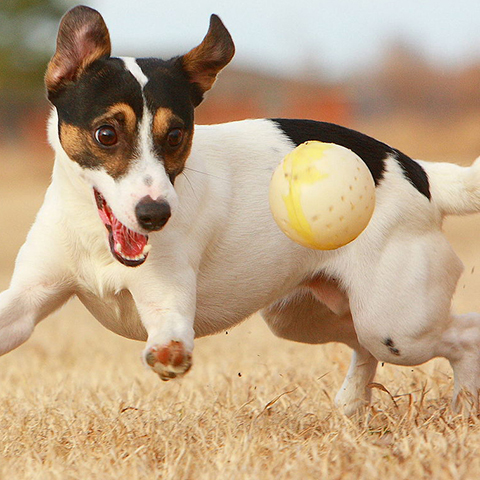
[174, 158]
[207, 59]
[164, 120]
[120, 113]
[80, 144]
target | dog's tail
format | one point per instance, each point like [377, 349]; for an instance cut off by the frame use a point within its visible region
[455, 190]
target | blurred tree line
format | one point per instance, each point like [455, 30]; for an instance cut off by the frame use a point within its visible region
[404, 86]
[27, 36]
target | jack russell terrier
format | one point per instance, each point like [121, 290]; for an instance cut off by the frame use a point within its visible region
[162, 228]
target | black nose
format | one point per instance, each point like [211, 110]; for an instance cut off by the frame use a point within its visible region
[151, 214]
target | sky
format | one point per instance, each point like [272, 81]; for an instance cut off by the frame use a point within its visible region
[336, 37]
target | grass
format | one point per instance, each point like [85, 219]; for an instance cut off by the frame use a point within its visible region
[76, 403]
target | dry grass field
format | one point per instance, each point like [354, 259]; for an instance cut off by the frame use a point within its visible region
[76, 403]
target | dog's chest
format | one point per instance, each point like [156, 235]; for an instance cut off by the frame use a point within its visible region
[101, 288]
[115, 311]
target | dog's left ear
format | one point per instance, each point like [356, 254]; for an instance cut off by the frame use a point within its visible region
[82, 38]
[203, 63]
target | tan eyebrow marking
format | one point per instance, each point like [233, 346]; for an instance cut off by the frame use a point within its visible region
[164, 120]
[123, 113]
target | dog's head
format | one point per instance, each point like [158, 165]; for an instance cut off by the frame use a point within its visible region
[128, 123]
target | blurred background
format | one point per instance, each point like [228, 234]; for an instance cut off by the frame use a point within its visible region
[406, 72]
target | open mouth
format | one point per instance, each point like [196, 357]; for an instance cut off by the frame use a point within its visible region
[127, 246]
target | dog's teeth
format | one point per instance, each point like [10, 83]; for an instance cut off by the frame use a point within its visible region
[134, 259]
[146, 249]
[141, 256]
[118, 247]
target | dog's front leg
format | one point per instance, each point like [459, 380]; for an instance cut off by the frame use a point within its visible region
[166, 304]
[40, 284]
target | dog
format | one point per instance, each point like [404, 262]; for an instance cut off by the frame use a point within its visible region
[162, 228]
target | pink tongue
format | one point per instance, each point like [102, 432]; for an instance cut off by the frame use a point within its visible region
[131, 243]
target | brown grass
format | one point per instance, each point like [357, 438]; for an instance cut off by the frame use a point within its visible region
[76, 402]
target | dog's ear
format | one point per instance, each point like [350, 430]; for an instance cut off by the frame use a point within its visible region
[82, 38]
[203, 63]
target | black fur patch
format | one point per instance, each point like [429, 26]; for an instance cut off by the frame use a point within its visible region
[388, 342]
[168, 87]
[414, 172]
[371, 151]
[103, 84]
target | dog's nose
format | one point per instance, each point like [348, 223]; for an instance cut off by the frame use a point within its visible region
[152, 214]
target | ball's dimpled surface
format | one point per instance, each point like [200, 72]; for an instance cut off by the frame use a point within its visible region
[322, 195]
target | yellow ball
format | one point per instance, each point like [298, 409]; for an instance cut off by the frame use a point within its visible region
[322, 195]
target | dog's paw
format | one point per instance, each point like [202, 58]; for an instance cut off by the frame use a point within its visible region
[168, 361]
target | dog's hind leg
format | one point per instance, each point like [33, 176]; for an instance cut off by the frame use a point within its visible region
[301, 317]
[460, 344]
[355, 392]
[401, 308]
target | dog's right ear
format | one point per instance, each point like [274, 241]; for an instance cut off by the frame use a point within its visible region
[82, 38]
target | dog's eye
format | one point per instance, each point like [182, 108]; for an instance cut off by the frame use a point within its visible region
[106, 136]
[175, 137]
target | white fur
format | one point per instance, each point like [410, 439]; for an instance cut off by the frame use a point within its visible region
[132, 65]
[221, 258]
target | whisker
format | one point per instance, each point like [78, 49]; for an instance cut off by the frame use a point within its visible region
[191, 185]
[202, 173]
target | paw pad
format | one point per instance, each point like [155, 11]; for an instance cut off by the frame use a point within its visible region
[168, 361]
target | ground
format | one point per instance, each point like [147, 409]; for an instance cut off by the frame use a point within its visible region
[75, 401]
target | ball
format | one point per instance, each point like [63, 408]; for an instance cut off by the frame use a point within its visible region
[322, 195]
